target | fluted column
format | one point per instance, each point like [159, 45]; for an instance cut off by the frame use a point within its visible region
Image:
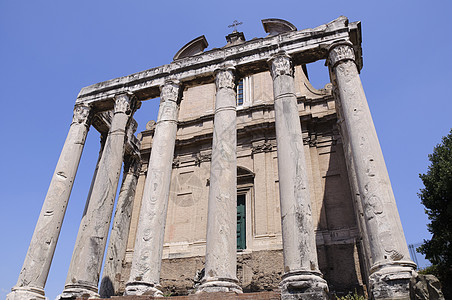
[86, 262]
[302, 278]
[221, 247]
[117, 244]
[391, 267]
[35, 269]
[147, 256]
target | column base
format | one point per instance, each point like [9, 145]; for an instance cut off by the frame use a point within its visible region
[303, 285]
[219, 285]
[139, 288]
[28, 293]
[391, 281]
[72, 292]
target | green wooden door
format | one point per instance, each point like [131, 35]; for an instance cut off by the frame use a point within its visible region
[241, 222]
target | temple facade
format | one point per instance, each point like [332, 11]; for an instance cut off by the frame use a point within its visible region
[249, 180]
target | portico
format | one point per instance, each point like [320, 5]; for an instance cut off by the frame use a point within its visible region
[112, 103]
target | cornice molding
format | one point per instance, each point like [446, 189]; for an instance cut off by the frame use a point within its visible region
[303, 46]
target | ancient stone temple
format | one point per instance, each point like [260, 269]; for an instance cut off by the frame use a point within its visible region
[250, 179]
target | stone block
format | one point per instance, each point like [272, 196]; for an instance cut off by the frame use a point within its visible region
[425, 287]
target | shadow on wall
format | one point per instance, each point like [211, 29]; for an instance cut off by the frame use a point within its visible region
[106, 289]
[340, 255]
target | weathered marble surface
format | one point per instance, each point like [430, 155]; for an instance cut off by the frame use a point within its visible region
[425, 287]
[221, 241]
[358, 206]
[35, 270]
[119, 232]
[301, 272]
[86, 262]
[147, 258]
[391, 266]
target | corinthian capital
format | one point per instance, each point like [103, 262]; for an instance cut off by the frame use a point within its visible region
[340, 52]
[170, 91]
[280, 64]
[225, 78]
[124, 103]
[82, 114]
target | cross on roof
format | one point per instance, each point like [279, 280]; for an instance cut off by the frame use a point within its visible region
[235, 24]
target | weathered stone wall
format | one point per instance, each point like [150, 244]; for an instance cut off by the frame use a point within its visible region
[256, 271]
[262, 270]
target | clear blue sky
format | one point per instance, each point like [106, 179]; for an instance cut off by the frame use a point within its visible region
[49, 50]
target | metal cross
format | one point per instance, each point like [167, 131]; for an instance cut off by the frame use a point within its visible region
[235, 24]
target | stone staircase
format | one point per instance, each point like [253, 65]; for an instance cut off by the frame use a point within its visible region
[207, 296]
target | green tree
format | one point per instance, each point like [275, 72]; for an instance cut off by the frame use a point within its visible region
[437, 199]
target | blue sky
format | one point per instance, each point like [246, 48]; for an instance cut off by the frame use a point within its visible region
[49, 50]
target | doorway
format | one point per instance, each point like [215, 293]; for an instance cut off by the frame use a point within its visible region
[241, 222]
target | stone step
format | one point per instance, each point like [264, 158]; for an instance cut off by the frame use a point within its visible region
[208, 296]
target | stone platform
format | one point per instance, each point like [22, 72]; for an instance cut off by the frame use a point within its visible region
[208, 296]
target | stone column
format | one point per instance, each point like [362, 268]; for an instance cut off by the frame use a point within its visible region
[33, 276]
[357, 204]
[302, 278]
[117, 244]
[391, 267]
[147, 257]
[221, 247]
[86, 262]
[103, 138]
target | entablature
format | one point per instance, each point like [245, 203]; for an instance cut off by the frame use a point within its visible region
[252, 128]
[250, 57]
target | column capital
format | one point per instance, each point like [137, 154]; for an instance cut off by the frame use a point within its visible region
[170, 93]
[225, 77]
[82, 114]
[281, 64]
[340, 52]
[170, 90]
[125, 103]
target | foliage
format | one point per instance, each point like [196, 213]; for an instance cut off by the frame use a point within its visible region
[437, 199]
[433, 270]
[167, 294]
[350, 296]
